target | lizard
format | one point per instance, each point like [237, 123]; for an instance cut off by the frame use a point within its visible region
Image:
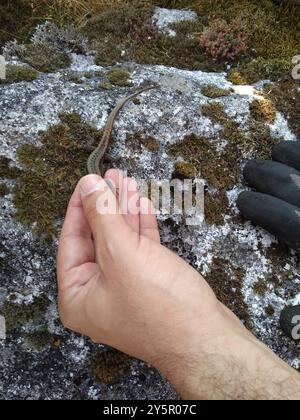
[95, 160]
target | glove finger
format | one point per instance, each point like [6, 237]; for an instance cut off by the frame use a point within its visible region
[276, 216]
[274, 178]
[287, 152]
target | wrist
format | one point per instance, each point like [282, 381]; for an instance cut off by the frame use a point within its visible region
[230, 365]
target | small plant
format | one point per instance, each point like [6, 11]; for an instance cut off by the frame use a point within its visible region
[213, 91]
[222, 40]
[119, 77]
[15, 74]
[263, 110]
[44, 58]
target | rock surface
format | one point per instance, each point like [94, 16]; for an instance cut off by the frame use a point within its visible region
[58, 364]
[164, 18]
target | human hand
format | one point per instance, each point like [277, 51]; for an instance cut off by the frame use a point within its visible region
[118, 284]
[121, 287]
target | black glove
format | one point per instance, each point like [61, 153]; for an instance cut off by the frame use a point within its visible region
[276, 204]
[276, 207]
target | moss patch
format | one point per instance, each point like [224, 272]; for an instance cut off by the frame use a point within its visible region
[137, 141]
[45, 58]
[119, 77]
[126, 33]
[203, 154]
[263, 110]
[15, 74]
[18, 315]
[4, 190]
[271, 28]
[270, 311]
[227, 283]
[213, 91]
[237, 78]
[52, 171]
[260, 288]
[215, 112]
[110, 366]
[184, 170]
[286, 96]
[219, 166]
[261, 141]
[216, 207]
[105, 85]
[258, 69]
[39, 340]
[7, 170]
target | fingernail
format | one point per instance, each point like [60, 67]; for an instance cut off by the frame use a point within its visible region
[91, 184]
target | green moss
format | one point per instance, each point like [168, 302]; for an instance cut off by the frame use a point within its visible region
[119, 77]
[110, 366]
[75, 78]
[227, 283]
[261, 140]
[215, 112]
[105, 85]
[270, 311]
[213, 91]
[126, 33]
[137, 141]
[136, 101]
[4, 190]
[184, 170]
[39, 340]
[271, 28]
[260, 288]
[263, 110]
[7, 170]
[51, 172]
[220, 166]
[45, 58]
[216, 207]
[258, 69]
[286, 96]
[15, 74]
[17, 315]
[237, 78]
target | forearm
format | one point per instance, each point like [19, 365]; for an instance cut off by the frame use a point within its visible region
[236, 367]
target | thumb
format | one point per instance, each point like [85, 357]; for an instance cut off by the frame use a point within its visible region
[101, 209]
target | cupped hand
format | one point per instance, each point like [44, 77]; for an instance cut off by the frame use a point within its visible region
[118, 284]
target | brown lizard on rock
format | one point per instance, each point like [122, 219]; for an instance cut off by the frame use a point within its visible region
[95, 160]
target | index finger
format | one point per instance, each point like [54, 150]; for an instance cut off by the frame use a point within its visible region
[76, 245]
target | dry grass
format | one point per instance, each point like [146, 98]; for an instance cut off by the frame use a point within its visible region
[63, 11]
